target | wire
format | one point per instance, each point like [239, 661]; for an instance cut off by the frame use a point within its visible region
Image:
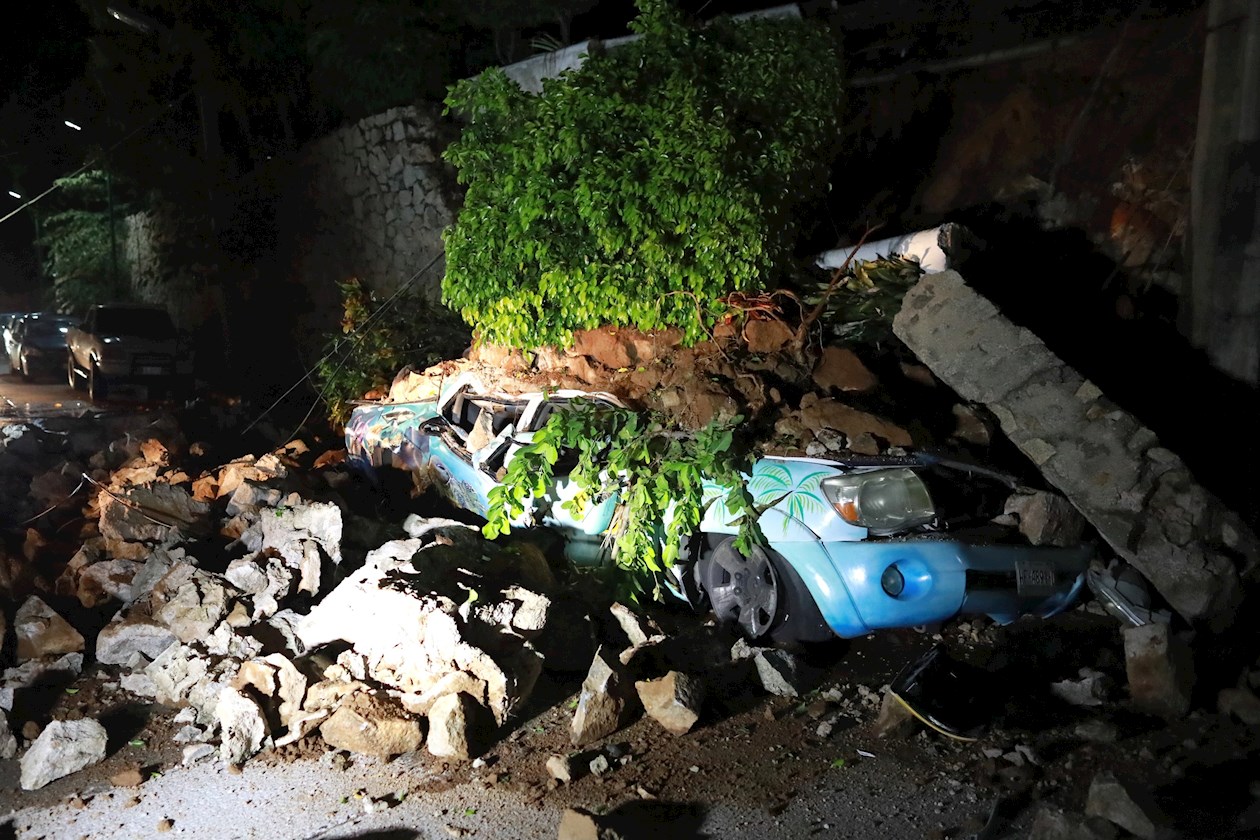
[350, 338]
[57, 184]
[53, 506]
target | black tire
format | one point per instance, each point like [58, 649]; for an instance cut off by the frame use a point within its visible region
[97, 387]
[768, 603]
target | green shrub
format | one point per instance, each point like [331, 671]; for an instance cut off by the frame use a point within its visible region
[643, 186]
[375, 343]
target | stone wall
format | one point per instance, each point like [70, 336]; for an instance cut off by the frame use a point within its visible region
[378, 197]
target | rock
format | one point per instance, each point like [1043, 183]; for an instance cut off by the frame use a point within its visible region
[371, 726]
[131, 778]
[1141, 497]
[249, 496]
[1055, 824]
[64, 747]
[603, 702]
[1160, 670]
[1098, 731]
[189, 602]
[673, 701]
[301, 533]
[599, 765]
[242, 725]
[832, 414]
[106, 580]
[41, 632]
[767, 336]
[451, 720]
[560, 767]
[637, 628]
[895, 720]
[840, 369]
[63, 669]
[781, 672]
[577, 824]
[133, 520]
[132, 640]
[970, 426]
[8, 744]
[418, 637]
[1046, 518]
[1240, 703]
[1092, 689]
[1124, 804]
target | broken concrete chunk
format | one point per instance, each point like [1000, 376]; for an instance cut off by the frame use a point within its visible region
[1160, 670]
[371, 726]
[603, 703]
[1145, 504]
[1046, 518]
[674, 701]
[289, 529]
[242, 725]
[1126, 805]
[41, 632]
[451, 726]
[578, 824]
[64, 747]
[249, 496]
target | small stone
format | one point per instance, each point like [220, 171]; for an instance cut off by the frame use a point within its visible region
[599, 765]
[131, 777]
[839, 368]
[560, 768]
[196, 752]
[602, 705]
[450, 719]
[895, 720]
[577, 824]
[165, 825]
[31, 730]
[1092, 689]
[372, 727]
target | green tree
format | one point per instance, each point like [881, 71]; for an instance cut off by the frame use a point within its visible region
[643, 186]
[77, 247]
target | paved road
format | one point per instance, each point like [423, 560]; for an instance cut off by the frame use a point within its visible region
[41, 398]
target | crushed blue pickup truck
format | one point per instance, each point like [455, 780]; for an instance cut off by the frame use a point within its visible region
[853, 545]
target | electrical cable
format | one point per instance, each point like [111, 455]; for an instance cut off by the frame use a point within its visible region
[349, 339]
[96, 158]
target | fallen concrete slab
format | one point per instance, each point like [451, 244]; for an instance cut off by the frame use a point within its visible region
[1140, 496]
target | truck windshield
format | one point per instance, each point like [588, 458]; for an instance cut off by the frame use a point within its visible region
[139, 322]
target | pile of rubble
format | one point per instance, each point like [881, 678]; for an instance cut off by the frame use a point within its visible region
[229, 596]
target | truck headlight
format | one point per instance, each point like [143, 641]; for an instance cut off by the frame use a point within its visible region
[881, 500]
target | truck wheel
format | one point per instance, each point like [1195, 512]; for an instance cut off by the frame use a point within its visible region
[72, 373]
[96, 384]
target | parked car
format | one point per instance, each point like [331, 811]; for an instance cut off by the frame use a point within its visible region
[854, 545]
[8, 320]
[39, 343]
[127, 343]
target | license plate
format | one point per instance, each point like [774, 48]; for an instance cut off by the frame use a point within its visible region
[150, 370]
[1034, 577]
